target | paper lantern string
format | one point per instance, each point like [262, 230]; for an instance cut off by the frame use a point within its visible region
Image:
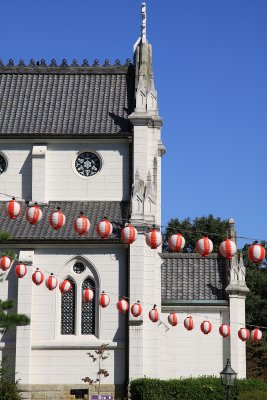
[134, 300]
[41, 204]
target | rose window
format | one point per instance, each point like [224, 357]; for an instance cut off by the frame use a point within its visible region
[87, 164]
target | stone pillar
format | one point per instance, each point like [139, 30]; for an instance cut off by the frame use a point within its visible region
[237, 290]
[38, 173]
[237, 321]
[23, 337]
[136, 333]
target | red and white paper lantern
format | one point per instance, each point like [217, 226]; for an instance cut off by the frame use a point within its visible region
[256, 335]
[224, 330]
[51, 282]
[21, 270]
[256, 253]
[173, 319]
[5, 263]
[122, 306]
[38, 277]
[206, 327]
[189, 323]
[129, 234]
[243, 334]
[81, 224]
[65, 286]
[154, 314]
[104, 229]
[13, 209]
[57, 219]
[136, 309]
[204, 246]
[153, 239]
[176, 242]
[34, 214]
[88, 295]
[227, 249]
[104, 300]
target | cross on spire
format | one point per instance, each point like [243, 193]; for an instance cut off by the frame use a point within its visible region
[143, 26]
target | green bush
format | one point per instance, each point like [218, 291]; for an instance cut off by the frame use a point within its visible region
[208, 388]
[9, 390]
[8, 386]
[253, 396]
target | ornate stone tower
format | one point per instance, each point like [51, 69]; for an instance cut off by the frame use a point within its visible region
[145, 264]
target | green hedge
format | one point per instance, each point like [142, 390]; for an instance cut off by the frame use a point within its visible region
[204, 388]
[253, 396]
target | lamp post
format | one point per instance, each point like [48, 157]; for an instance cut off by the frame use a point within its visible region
[228, 377]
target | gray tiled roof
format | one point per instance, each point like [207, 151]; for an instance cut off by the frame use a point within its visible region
[66, 101]
[190, 277]
[21, 229]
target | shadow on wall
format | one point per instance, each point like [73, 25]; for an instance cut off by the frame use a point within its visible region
[9, 337]
[26, 178]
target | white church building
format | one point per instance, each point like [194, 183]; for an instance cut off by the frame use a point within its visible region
[88, 138]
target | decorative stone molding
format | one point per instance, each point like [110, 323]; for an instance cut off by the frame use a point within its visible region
[143, 200]
[64, 63]
[26, 257]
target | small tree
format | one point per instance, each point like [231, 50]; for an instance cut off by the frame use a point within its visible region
[7, 319]
[99, 356]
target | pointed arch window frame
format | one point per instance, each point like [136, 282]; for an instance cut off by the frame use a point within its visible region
[90, 272]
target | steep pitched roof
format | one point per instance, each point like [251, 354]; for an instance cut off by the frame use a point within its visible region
[187, 277]
[66, 100]
[22, 230]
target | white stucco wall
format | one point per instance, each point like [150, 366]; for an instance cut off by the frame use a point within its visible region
[57, 179]
[185, 353]
[111, 183]
[44, 356]
[17, 179]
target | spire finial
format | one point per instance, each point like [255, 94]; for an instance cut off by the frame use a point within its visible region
[143, 27]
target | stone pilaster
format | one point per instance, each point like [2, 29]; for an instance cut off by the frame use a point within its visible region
[23, 337]
[38, 173]
[237, 291]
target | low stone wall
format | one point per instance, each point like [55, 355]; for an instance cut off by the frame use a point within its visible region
[63, 392]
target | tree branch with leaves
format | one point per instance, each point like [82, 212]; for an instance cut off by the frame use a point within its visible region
[99, 356]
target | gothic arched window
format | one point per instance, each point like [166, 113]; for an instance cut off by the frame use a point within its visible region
[88, 310]
[68, 311]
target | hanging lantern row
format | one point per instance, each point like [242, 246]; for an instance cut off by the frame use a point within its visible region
[104, 228]
[227, 248]
[122, 305]
[81, 224]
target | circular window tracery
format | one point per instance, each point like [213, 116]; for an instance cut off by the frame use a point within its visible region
[3, 164]
[78, 268]
[87, 164]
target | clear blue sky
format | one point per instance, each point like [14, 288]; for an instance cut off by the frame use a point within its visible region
[210, 64]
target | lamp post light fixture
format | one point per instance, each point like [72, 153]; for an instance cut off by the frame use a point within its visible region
[228, 377]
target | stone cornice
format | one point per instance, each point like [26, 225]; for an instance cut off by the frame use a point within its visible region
[237, 289]
[145, 119]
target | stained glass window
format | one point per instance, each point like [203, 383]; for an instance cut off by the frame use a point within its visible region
[78, 267]
[87, 164]
[88, 310]
[68, 311]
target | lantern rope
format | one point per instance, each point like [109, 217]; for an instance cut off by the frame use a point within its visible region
[134, 300]
[152, 304]
[145, 230]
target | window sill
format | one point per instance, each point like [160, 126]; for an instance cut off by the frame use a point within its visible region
[75, 343]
